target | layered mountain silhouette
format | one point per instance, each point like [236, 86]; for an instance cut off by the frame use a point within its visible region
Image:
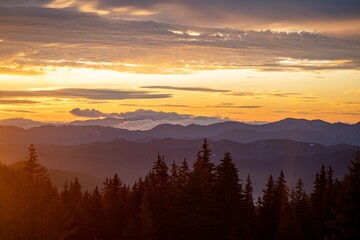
[314, 131]
[297, 146]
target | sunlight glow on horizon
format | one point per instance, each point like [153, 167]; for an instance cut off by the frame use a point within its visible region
[279, 94]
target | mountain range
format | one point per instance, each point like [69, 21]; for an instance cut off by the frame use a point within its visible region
[314, 131]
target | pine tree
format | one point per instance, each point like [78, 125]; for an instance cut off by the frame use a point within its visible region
[29, 203]
[114, 201]
[202, 197]
[248, 192]
[32, 166]
[273, 209]
[229, 195]
[348, 202]
[159, 197]
[318, 203]
[184, 174]
[174, 177]
[41, 199]
[72, 197]
[173, 199]
[147, 224]
[267, 211]
[322, 202]
[248, 214]
[133, 227]
[95, 215]
[281, 206]
[181, 205]
[299, 212]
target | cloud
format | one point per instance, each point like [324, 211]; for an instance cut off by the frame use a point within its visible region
[140, 119]
[24, 3]
[177, 105]
[352, 103]
[31, 46]
[237, 106]
[94, 94]
[352, 91]
[283, 94]
[142, 114]
[22, 123]
[351, 113]
[20, 71]
[89, 113]
[244, 94]
[157, 105]
[274, 93]
[267, 8]
[17, 111]
[137, 115]
[189, 89]
[243, 13]
[16, 101]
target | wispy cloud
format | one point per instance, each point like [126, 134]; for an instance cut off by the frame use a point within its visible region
[351, 113]
[94, 94]
[189, 89]
[16, 101]
[235, 106]
[16, 111]
[352, 103]
[275, 94]
[159, 105]
[352, 91]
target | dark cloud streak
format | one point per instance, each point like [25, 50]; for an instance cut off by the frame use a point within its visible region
[17, 111]
[16, 101]
[237, 106]
[94, 94]
[189, 89]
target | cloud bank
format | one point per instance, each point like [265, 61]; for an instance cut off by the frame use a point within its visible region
[243, 13]
[140, 119]
[36, 40]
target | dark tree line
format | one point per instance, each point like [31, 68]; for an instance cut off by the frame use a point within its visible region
[175, 202]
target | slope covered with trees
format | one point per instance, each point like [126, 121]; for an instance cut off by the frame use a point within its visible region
[203, 201]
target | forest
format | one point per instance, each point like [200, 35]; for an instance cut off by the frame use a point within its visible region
[200, 202]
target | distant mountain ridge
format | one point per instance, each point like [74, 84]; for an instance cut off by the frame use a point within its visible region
[314, 131]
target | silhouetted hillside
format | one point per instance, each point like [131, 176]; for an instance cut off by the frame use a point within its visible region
[315, 131]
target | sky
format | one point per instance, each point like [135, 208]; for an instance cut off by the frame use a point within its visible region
[136, 64]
